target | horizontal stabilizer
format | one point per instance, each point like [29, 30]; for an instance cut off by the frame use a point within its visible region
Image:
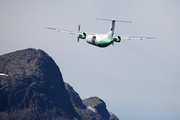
[114, 20]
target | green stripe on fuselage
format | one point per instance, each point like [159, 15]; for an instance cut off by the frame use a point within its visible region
[106, 41]
[103, 43]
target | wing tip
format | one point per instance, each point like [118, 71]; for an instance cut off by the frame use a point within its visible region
[151, 38]
[50, 28]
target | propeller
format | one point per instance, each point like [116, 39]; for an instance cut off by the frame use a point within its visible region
[79, 27]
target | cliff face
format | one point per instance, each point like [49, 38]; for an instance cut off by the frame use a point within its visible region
[34, 89]
[78, 104]
[92, 108]
[98, 106]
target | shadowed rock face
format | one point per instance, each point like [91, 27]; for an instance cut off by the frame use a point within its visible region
[34, 88]
[99, 107]
[92, 108]
[78, 104]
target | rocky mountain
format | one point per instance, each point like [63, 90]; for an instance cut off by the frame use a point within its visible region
[92, 108]
[98, 106]
[32, 88]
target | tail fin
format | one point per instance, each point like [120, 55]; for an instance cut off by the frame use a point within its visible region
[112, 27]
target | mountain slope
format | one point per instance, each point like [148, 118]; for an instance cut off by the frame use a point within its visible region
[32, 88]
[92, 108]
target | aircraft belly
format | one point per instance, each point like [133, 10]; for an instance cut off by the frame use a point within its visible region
[104, 42]
[97, 41]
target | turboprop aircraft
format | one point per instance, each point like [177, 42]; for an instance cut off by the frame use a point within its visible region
[101, 40]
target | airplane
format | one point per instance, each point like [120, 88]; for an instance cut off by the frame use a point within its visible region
[101, 40]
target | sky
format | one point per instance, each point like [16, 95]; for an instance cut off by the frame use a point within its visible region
[137, 79]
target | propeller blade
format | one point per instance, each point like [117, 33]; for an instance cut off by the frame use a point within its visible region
[79, 27]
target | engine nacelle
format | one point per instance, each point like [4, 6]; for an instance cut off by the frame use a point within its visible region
[82, 36]
[117, 39]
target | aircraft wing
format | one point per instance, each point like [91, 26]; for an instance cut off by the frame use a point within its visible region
[69, 31]
[135, 38]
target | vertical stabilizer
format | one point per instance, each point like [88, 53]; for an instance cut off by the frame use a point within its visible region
[112, 27]
[111, 30]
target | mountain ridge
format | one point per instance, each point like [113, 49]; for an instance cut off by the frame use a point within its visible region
[35, 89]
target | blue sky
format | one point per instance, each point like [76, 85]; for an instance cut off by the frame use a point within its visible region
[137, 79]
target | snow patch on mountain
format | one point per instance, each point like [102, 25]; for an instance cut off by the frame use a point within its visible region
[90, 109]
[3, 74]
